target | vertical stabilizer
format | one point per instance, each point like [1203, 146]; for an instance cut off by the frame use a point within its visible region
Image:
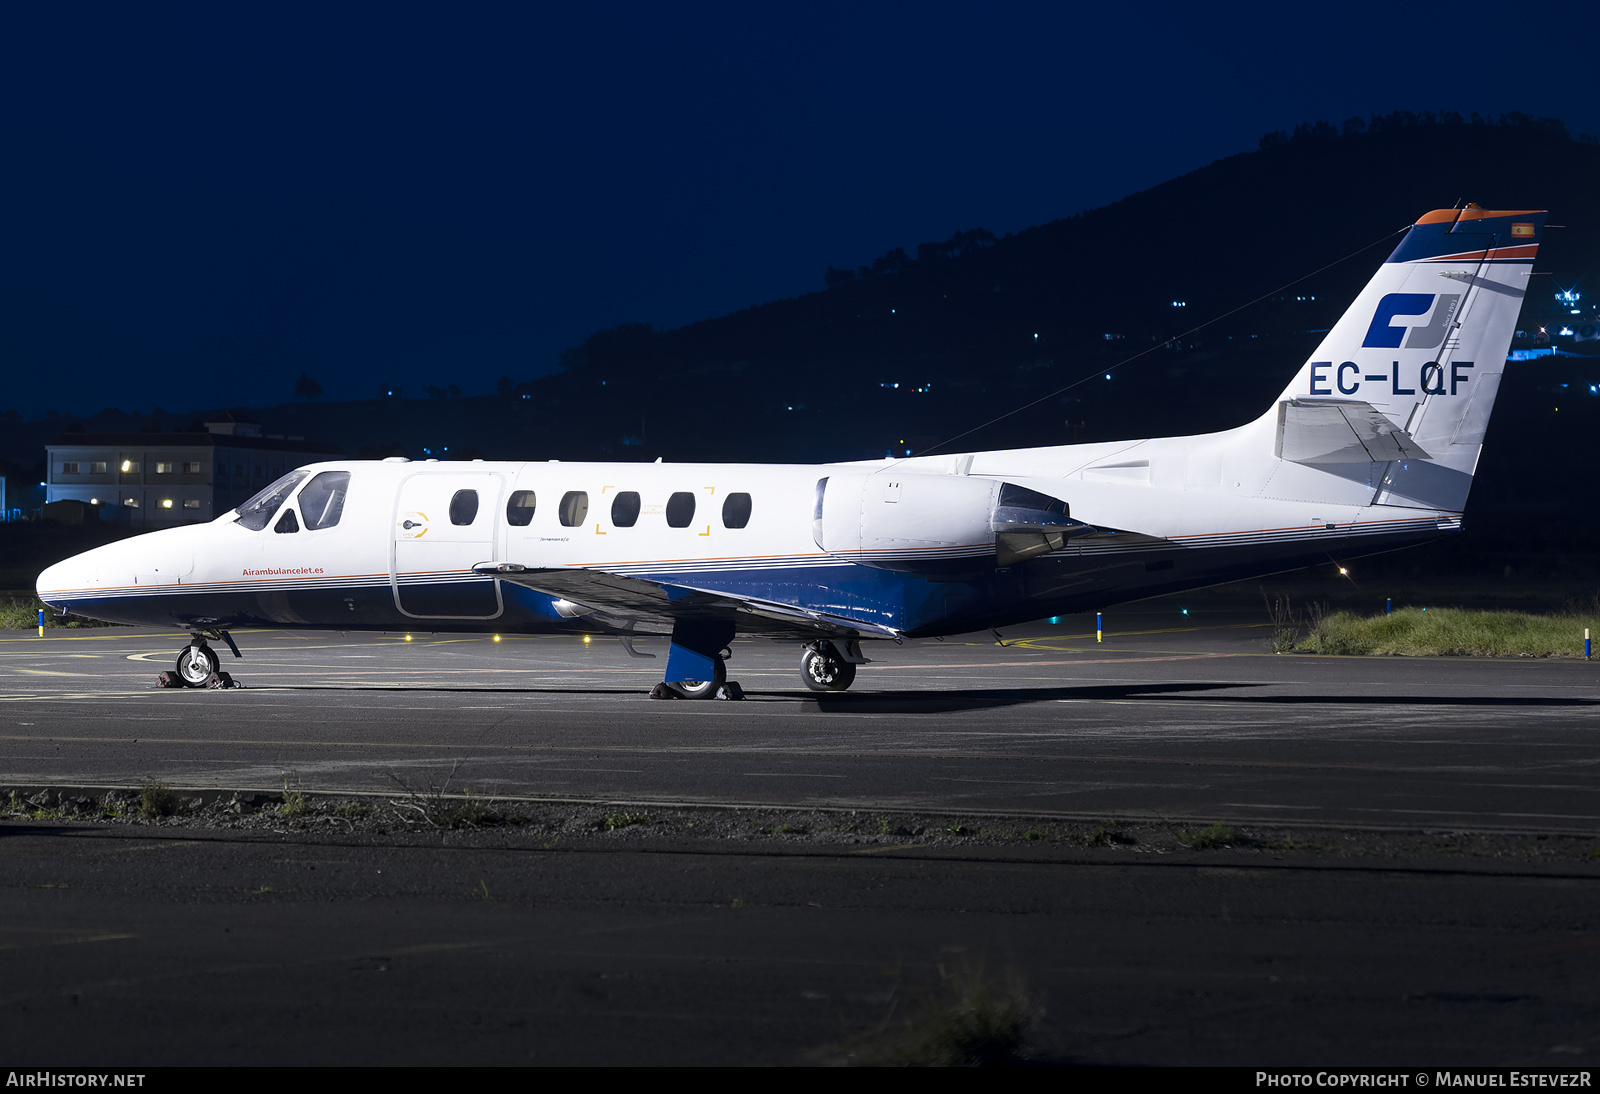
[1425, 345]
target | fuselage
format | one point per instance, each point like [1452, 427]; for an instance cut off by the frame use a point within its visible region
[1168, 514]
[1372, 446]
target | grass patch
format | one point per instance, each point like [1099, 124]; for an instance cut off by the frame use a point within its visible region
[620, 819]
[1444, 632]
[1217, 835]
[1106, 836]
[295, 803]
[971, 1019]
[156, 799]
[435, 807]
[20, 614]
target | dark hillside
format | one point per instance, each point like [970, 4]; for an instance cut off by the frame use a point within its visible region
[924, 345]
[977, 326]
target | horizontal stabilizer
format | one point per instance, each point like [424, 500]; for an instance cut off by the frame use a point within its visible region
[1328, 431]
[622, 601]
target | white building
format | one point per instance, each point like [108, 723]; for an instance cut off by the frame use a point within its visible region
[157, 479]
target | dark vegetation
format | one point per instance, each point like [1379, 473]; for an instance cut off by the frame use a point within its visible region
[925, 344]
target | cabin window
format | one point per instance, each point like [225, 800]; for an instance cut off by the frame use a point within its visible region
[574, 508]
[322, 501]
[464, 507]
[258, 511]
[519, 510]
[736, 511]
[287, 523]
[625, 509]
[680, 509]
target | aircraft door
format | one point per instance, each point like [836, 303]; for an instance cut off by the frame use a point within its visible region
[445, 523]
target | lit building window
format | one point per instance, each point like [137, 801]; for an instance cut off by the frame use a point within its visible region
[130, 467]
[166, 503]
[191, 503]
[130, 503]
[98, 467]
[192, 467]
[163, 467]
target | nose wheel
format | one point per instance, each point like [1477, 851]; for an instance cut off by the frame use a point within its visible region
[824, 668]
[196, 665]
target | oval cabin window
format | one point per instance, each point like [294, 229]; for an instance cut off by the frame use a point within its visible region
[574, 508]
[736, 511]
[625, 509]
[464, 507]
[680, 509]
[519, 509]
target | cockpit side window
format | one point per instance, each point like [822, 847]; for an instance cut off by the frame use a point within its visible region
[322, 501]
[287, 523]
[257, 513]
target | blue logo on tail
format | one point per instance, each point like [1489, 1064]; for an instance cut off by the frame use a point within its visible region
[1382, 335]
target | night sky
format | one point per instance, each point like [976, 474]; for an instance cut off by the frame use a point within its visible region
[201, 202]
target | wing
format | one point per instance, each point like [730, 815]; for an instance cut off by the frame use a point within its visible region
[641, 606]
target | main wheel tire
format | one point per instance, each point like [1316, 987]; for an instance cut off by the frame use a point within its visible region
[823, 668]
[195, 665]
[702, 689]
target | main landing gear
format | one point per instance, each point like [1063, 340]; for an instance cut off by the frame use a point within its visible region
[717, 687]
[824, 668]
[198, 665]
[697, 668]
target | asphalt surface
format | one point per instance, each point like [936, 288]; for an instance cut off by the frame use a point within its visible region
[1172, 716]
[1362, 944]
[129, 948]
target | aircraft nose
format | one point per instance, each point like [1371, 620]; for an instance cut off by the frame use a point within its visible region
[58, 585]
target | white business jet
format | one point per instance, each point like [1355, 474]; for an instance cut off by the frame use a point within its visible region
[1371, 446]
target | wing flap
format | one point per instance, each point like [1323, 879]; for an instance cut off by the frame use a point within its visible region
[629, 602]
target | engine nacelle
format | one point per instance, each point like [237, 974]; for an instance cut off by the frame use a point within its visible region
[936, 523]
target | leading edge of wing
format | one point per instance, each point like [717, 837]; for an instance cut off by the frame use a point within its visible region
[623, 600]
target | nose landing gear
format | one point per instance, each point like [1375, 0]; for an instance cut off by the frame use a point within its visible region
[196, 665]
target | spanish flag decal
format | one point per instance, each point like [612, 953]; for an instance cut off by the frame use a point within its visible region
[1525, 230]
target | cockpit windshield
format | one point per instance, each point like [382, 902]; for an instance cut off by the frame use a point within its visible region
[257, 512]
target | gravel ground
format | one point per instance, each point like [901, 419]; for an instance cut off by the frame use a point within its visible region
[430, 814]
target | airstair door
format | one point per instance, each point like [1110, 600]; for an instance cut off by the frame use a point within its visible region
[446, 522]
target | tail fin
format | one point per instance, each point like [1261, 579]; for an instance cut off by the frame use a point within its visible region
[1413, 366]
